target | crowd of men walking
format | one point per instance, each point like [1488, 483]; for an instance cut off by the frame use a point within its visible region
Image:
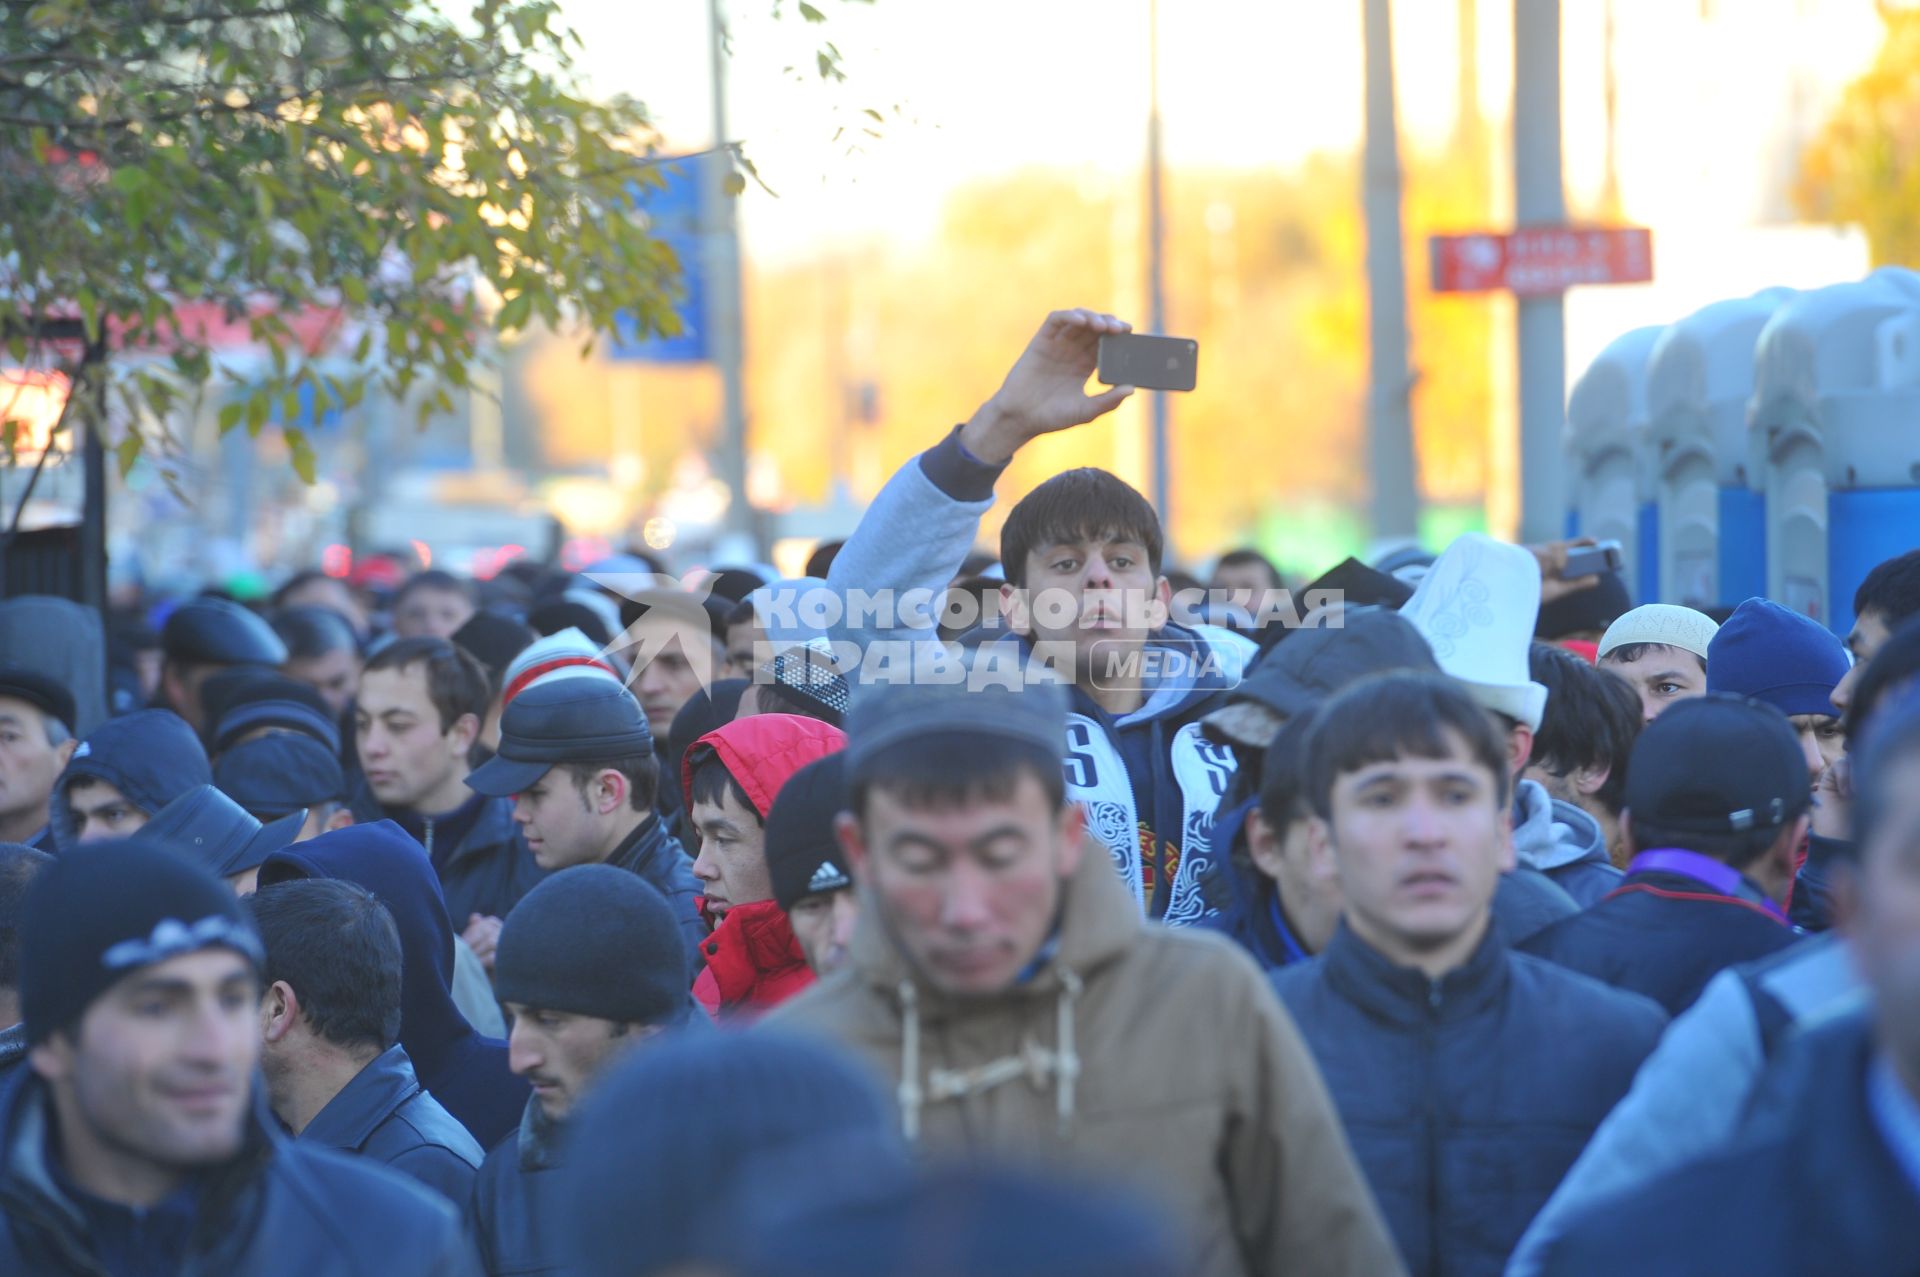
[1473, 921]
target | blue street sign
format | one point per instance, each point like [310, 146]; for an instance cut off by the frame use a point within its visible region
[674, 210]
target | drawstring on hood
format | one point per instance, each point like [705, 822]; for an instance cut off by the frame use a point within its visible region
[1033, 1061]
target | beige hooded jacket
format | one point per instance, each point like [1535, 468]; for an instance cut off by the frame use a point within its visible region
[1157, 1055]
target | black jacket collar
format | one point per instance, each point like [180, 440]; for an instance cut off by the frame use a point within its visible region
[1404, 995]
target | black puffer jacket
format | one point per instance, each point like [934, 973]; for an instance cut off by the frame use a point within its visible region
[1465, 1098]
[277, 1207]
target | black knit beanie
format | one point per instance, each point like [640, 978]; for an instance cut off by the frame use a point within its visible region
[595, 940]
[103, 911]
[803, 853]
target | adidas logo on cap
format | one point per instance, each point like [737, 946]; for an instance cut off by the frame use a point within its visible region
[827, 878]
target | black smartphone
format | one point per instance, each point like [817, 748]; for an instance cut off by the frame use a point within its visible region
[1591, 560]
[1151, 363]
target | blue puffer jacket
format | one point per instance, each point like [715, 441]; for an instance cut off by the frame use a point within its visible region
[383, 1114]
[1465, 1098]
[466, 1072]
[277, 1207]
[1808, 1188]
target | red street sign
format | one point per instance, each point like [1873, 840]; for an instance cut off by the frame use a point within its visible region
[1540, 261]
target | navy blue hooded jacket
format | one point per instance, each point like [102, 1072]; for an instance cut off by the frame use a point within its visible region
[276, 1207]
[466, 1072]
[384, 1114]
[1807, 1188]
[1466, 1098]
[151, 756]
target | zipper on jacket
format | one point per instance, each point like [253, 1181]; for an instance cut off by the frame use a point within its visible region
[1430, 1069]
[427, 838]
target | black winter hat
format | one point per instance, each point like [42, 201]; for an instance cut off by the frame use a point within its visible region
[45, 694]
[104, 911]
[595, 940]
[1296, 679]
[803, 854]
[1594, 608]
[493, 640]
[243, 700]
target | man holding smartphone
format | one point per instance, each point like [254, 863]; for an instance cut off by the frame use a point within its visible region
[1084, 596]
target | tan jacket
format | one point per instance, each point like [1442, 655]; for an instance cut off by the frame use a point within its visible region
[1157, 1055]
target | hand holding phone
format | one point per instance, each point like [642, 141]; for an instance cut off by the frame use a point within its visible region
[1592, 560]
[1148, 362]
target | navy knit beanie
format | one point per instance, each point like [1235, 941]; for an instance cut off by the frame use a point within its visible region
[1774, 654]
[687, 1117]
[103, 911]
[594, 940]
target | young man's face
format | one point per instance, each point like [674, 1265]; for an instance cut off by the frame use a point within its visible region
[673, 661]
[740, 640]
[432, 612]
[1821, 741]
[335, 675]
[732, 864]
[1100, 596]
[1885, 923]
[559, 821]
[823, 924]
[968, 892]
[1870, 633]
[159, 1068]
[101, 812]
[1308, 886]
[561, 1054]
[1661, 676]
[403, 751]
[1419, 845]
[28, 764]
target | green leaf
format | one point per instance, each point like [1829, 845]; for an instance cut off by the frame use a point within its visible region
[127, 451]
[230, 415]
[514, 315]
[300, 454]
[810, 13]
[128, 178]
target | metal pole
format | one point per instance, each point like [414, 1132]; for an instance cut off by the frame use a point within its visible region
[724, 314]
[1396, 498]
[1156, 272]
[1539, 200]
[93, 512]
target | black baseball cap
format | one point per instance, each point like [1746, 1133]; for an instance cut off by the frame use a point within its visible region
[45, 694]
[210, 631]
[572, 717]
[1717, 764]
[803, 852]
[1298, 676]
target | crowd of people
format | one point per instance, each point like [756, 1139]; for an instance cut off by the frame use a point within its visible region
[938, 914]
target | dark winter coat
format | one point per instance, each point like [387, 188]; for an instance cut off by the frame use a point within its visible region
[277, 1207]
[466, 1072]
[511, 1212]
[1807, 1188]
[476, 849]
[1465, 1098]
[1665, 934]
[385, 1115]
[659, 860]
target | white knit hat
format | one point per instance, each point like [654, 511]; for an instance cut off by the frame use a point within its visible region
[1667, 623]
[1476, 608]
[566, 653]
